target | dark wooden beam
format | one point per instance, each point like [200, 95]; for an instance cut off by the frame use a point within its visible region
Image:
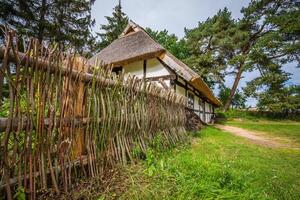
[174, 82]
[145, 68]
[163, 77]
[186, 88]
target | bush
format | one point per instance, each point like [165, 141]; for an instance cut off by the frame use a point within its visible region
[256, 115]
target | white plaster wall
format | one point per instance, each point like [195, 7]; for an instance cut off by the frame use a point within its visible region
[208, 108]
[155, 68]
[180, 90]
[196, 103]
[135, 68]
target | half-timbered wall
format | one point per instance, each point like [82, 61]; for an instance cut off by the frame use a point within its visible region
[207, 112]
[201, 109]
[152, 68]
[201, 106]
[196, 105]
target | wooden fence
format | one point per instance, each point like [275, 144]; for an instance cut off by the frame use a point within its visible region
[62, 119]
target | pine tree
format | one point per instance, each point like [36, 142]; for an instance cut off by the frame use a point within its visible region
[67, 22]
[239, 99]
[72, 23]
[210, 47]
[271, 91]
[116, 24]
[19, 14]
[268, 32]
[171, 42]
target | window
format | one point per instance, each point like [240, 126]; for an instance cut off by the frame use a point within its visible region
[190, 100]
[200, 105]
[117, 70]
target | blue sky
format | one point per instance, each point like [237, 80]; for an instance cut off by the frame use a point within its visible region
[175, 16]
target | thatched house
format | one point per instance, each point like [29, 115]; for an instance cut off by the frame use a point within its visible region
[137, 53]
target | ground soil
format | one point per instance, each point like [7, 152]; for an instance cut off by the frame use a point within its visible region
[255, 137]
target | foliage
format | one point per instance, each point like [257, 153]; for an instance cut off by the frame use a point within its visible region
[266, 35]
[210, 47]
[171, 42]
[111, 31]
[20, 194]
[4, 108]
[272, 94]
[218, 166]
[255, 115]
[238, 101]
[67, 22]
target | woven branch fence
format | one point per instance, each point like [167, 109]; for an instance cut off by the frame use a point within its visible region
[66, 119]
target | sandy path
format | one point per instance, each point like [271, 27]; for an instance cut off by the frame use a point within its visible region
[251, 135]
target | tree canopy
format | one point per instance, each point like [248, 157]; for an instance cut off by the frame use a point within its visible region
[67, 22]
[271, 91]
[267, 34]
[171, 42]
[111, 31]
[239, 99]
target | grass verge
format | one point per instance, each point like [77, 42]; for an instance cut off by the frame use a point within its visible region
[284, 129]
[217, 166]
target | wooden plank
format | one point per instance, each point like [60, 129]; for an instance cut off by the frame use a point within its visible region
[163, 84]
[47, 121]
[78, 89]
[82, 160]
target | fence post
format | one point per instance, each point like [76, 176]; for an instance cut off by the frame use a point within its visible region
[79, 108]
[74, 107]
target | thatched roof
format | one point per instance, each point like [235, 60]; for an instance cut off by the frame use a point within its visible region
[189, 75]
[129, 48]
[135, 44]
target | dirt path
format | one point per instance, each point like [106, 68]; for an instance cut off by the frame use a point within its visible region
[251, 135]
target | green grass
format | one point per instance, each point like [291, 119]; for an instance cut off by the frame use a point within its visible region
[216, 166]
[284, 129]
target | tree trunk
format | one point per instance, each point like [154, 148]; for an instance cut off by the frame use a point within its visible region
[233, 89]
[41, 22]
[1, 87]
